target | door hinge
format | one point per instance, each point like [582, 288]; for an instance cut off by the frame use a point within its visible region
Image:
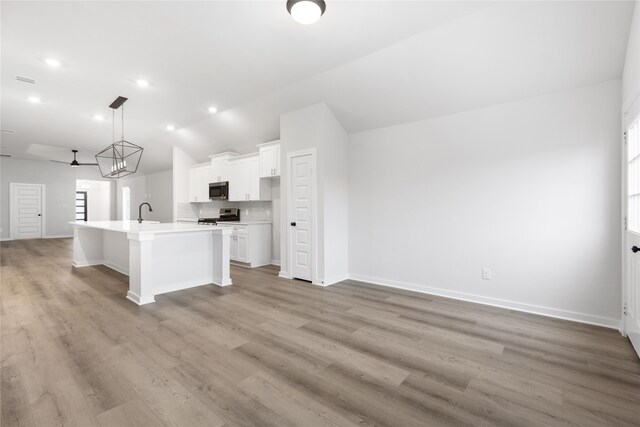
[625, 222]
[624, 308]
[624, 137]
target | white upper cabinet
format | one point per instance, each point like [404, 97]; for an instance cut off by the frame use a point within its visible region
[199, 179]
[269, 159]
[220, 166]
[244, 180]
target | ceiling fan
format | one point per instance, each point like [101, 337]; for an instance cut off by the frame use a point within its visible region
[74, 163]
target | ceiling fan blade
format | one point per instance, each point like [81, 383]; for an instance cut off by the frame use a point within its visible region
[88, 164]
[58, 161]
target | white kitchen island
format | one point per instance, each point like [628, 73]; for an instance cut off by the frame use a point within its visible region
[158, 258]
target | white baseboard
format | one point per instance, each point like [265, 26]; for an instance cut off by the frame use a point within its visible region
[335, 279]
[6, 239]
[115, 267]
[495, 302]
[109, 264]
[284, 274]
[136, 298]
[60, 236]
[275, 262]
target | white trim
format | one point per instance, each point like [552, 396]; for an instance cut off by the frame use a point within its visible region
[43, 201]
[284, 275]
[590, 319]
[6, 239]
[136, 298]
[275, 262]
[314, 210]
[335, 279]
[60, 236]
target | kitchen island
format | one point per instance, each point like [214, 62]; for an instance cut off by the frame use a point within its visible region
[158, 258]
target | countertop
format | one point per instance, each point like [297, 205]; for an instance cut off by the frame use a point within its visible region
[243, 222]
[146, 228]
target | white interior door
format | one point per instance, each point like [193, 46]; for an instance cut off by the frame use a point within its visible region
[26, 211]
[301, 216]
[631, 294]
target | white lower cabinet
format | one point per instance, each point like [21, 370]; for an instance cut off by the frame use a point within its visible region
[250, 244]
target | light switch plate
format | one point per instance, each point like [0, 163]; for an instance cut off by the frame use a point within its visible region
[486, 273]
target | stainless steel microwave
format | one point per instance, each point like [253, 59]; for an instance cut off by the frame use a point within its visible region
[219, 190]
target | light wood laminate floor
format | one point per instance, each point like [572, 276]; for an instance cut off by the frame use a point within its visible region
[269, 351]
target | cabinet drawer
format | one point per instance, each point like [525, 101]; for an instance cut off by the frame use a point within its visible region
[240, 229]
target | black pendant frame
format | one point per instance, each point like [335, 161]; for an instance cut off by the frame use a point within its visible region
[112, 161]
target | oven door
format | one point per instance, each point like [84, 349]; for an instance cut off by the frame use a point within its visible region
[219, 190]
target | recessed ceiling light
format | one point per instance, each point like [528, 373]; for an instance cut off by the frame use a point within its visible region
[306, 11]
[34, 99]
[171, 128]
[98, 117]
[142, 83]
[52, 62]
[213, 110]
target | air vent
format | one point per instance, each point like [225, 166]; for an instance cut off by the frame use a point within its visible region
[25, 79]
[11, 131]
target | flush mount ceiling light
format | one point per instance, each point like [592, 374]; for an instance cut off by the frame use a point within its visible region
[213, 110]
[306, 11]
[52, 62]
[34, 100]
[98, 117]
[142, 83]
[122, 157]
[171, 128]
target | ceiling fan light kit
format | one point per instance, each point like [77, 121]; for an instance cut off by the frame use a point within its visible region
[306, 11]
[120, 158]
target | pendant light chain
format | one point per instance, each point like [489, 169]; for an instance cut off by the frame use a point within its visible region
[123, 122]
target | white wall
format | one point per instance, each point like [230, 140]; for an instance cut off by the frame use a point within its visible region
[529, 189]
[631, 72]
[99, 198]
[155, 189]
[60, 191]
[316, 127]
[181, 163]
[276, 222]
[335, 189]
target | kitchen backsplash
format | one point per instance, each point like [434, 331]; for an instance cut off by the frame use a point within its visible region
[249, 211]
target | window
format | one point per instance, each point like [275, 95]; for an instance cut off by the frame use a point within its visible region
[126, 203]
[633, 175]
[81, 206]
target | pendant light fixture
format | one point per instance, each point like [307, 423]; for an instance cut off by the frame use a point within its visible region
[122, 157]
[306, 11]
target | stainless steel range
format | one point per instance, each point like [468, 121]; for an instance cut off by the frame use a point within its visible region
[225, 214]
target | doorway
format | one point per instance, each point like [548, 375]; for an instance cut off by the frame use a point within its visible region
[631, 251]
[26, 211]
[302, 215]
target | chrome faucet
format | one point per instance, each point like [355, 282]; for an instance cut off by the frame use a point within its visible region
[140, 211]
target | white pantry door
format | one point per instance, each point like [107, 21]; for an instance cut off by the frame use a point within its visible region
[301, 216]
[631, 292]
[26, 211]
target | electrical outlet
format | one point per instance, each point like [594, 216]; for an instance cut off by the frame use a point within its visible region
[486, 273]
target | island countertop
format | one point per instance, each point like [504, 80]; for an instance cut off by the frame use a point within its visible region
[158, 258]
[145, 228]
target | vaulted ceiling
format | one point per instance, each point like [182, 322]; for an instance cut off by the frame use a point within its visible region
[374, 63]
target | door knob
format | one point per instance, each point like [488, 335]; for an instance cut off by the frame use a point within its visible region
[293, 224]
[635, 249]
[39, 214]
